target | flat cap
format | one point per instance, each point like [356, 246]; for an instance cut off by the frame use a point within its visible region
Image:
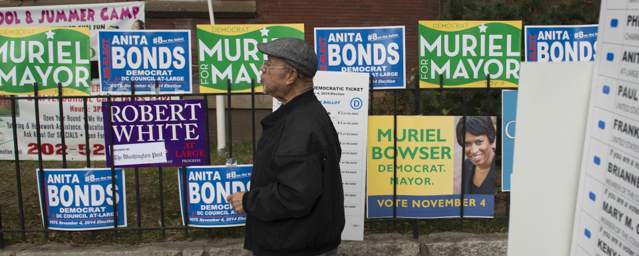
[295, 52]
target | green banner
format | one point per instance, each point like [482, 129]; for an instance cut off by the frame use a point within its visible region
[230, 52]
[464, 52]
[47, 56]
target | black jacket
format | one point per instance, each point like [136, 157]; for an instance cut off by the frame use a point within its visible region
[295, 204]
[487, 187]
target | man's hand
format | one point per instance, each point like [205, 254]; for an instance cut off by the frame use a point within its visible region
[235, 200]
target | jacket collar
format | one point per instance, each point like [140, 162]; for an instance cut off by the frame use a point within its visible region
[284, 110]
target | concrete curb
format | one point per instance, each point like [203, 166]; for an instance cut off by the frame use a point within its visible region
[437, 244]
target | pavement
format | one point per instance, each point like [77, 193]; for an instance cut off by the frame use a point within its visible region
[436, 244]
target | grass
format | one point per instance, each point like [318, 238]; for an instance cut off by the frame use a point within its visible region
[150, 208]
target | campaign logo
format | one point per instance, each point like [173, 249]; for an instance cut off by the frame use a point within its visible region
[356, 103]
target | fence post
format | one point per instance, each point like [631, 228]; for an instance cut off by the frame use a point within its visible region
[1, 233]
[45, 207]
[137, 179]
[87, 148]
[162, 224]
[206, 126]
[394, 157]
[488, 94]
[63, 135]
[185, 209]
[228, 82]
[461, 209]
[253, 114]
[370, 90]
[112, 162]
[417, 94]
[17, 163]
[441, 94]
[417, 100]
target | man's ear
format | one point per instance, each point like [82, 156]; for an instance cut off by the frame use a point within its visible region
[291, 76]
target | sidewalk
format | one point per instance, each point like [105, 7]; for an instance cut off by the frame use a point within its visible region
[438, 244]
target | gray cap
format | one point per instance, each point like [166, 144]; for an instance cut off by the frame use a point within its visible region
[293, 51]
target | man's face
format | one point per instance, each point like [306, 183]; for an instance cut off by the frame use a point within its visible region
[273, 77]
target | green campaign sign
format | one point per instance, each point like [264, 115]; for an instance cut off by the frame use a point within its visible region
[47, 56]
[230, 52]
[464, 52]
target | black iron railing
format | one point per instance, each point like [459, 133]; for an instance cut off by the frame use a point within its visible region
[139, 228]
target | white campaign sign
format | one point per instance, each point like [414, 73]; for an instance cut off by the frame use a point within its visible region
[607, 211]
[50, 131]
[345, 97]
[126, 15]
[143, 153]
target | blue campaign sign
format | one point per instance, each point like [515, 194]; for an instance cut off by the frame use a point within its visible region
[437, 206]
[560, 43]
[509, 120]
[82, 199]
[144, 57]
[208, 187]
[379, 51]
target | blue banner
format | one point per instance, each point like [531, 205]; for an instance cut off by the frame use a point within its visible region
[560, 43]
[82, 199]
[208, 187]
[508, 125]
[439, 206]
[144, 57]
[378, 51]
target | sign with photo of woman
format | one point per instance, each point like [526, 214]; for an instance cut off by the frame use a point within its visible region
[433, 169]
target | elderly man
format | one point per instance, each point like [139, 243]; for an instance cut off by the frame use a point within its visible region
[295, 205]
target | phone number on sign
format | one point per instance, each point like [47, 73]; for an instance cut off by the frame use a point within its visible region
[49, 149]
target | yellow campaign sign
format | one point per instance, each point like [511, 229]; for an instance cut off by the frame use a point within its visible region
[425, 149]
[424, 174]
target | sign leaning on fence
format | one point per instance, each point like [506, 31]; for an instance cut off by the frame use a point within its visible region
[230, 52]
[124, 15]
[560, 43]
[378, 51]
[509, 123]
[47, 56]
[82, 199]
[428, 173]
[156, 134]
[208, 187]
[465, 51]
[145, 57]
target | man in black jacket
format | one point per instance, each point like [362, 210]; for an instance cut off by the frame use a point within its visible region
[295, 204]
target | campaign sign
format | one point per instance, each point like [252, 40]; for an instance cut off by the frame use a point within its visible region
[208, 187]
[560, 43]
[427, 175]
[45, 55]
[229, 52]
[144, 57]
[82, 199]
[509, 120]
[466, 52]
[156, 134]
[378, 51]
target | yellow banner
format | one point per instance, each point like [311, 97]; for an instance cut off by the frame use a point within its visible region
[19, 32]
[240, 29]
[458, 25]
[425, 146]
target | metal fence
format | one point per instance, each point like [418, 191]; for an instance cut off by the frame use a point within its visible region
[162, 227]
